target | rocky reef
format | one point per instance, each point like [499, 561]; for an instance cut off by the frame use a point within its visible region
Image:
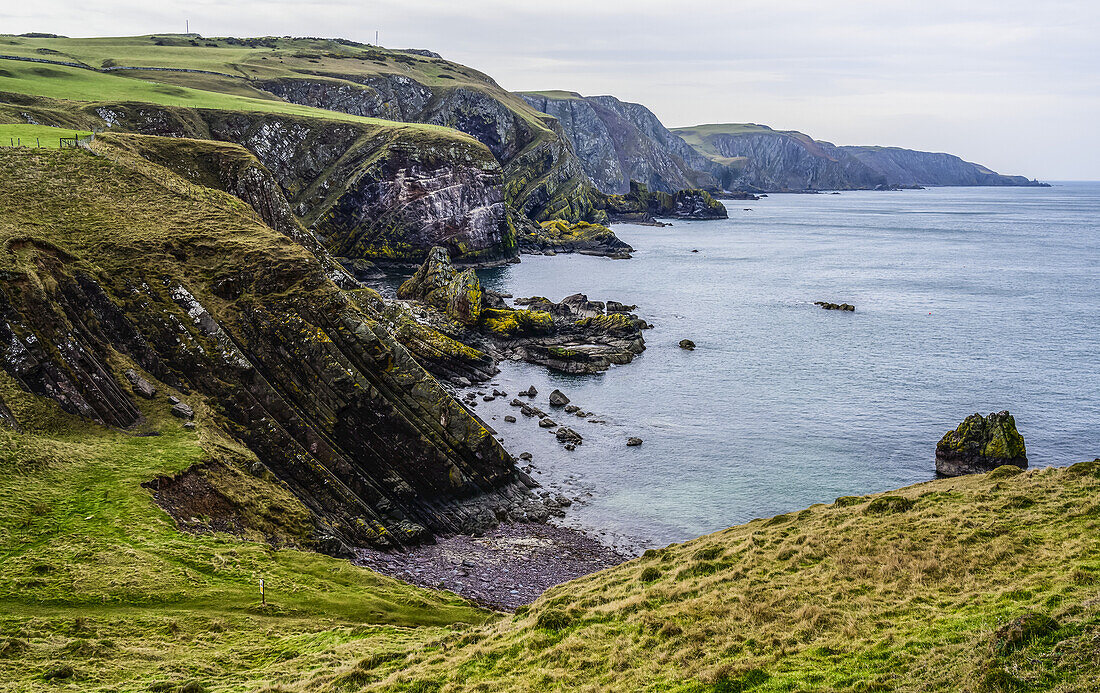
[641, 205]
[981, 444]
[574, 335]
[558, 236]
[118, 274]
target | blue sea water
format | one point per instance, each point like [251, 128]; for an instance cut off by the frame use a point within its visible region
[967, 300]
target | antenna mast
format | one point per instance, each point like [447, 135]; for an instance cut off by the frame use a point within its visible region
[187, 26]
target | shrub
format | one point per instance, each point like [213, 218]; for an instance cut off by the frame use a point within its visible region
[650, 574]
[1004, 471]
[887, 505]
[553, 619]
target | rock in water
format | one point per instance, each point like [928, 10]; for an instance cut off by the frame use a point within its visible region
[568, 436]
[981, 444]
[835, 306]
[558, 399]
[439, 284]
[687, 344]
[633, 442]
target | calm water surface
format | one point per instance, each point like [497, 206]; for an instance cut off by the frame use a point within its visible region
[967, 300]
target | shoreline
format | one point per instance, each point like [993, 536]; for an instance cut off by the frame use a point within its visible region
[507, 567]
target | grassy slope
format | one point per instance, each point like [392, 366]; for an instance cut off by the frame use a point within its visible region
[92, 574]
[903, 592]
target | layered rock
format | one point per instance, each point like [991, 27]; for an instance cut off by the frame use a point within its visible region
[981, 444]
[188, 285]
[618, 142]
[544, 178]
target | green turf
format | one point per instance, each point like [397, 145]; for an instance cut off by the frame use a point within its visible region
[36, 135]
[77, 84]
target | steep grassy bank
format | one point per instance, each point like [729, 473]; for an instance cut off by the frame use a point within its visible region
[986, 584]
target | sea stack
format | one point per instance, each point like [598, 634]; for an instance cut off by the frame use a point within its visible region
[981, 444]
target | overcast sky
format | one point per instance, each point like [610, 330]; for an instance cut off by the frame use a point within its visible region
[1012, 84]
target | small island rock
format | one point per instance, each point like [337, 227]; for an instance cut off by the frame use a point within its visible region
[687, 344]
[558, 399]
[981, 444]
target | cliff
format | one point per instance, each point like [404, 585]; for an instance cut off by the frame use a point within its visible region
[758, 158]
[909, 167]
[369, 189]
[113, 263]
[618, 142]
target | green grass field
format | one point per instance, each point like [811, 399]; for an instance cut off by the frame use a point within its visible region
[77, 84]
[36, 135]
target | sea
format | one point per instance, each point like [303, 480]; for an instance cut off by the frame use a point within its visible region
[967, 300]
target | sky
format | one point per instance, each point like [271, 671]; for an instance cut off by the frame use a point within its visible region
[1011, 84]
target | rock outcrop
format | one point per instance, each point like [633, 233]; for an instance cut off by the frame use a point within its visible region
[559, 236]
[436, 282]
[641, 205]
[573, 336]
[188, 284]
[618, 142]
[981, 444]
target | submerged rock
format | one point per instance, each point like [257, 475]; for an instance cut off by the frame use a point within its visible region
[981, 444]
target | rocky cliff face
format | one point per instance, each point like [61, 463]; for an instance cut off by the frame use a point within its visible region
[386, 192]
[909, 167]
[758, 158]
[618, 142]
[544, 177]
[778, 161]
[112, 262]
